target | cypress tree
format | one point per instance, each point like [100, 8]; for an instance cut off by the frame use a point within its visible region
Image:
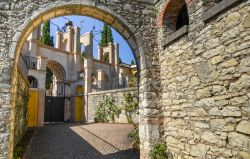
[107, 36]
[132, 62]
[46, 38]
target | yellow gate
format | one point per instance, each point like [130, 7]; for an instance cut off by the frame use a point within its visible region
[33, 108]
[79, 104]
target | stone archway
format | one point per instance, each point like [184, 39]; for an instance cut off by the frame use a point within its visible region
[127, 22]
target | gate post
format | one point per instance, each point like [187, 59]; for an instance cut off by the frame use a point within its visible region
[41, 103]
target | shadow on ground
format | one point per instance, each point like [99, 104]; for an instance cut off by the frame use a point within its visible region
[71, 141]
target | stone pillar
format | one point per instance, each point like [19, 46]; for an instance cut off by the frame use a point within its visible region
[77, 47]
[41, 95]
[111, 53]
[41, 103]
[100, 53]
[70, 39]
[116, 59]
[101, 78]
[58, 40]
[41, 63]
[89, 44]
[88, 65]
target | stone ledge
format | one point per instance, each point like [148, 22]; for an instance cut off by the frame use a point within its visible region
[182, 31]
[218, 8]
[113, 91]
[148, 1]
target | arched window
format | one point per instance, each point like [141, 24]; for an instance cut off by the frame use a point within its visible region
[174, 20]
[106, 57]
[33, 82]
[174, 16]
[182, 18]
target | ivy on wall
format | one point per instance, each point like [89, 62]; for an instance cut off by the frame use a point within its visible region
[107, 110]
[131, 105]
[21, 110]
[134, 137]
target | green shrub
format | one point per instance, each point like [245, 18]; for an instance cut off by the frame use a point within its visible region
[107, 110]
[131, 105]
[160, 151]
[134, 137]
[100, 115]
[18, 152]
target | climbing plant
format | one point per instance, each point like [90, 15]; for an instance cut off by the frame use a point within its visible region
[133, 81]
[107, 110]
[106, 36]
[21, 108]
[46, 38]
[160, 151]
[134, 137]
[131, 105]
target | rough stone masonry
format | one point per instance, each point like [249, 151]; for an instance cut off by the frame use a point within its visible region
[194, 91]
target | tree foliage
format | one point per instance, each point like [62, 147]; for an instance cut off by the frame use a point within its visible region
[132, 62]
[107, 36]
[46, 39]
[49, 80]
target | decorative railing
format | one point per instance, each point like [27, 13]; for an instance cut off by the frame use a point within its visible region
[23, 66]
[59, 89]
[31, 62]
[115, 83]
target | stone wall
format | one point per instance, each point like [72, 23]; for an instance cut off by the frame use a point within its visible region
[205, 79]
[94, 100]
[135, 20]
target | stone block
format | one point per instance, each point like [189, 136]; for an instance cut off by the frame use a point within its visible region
[238, 140]
[242, 83]
[198, 150]
[221, 125]
[205, 71]
[203, 93]
[245, 155]
[216, 59]
[211, 137]
[214, 52]
[231, 111]
[244, 127]
[229, 63]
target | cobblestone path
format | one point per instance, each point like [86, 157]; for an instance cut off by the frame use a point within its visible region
[72, 141]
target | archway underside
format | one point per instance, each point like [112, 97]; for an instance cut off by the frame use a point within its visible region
[81, 10]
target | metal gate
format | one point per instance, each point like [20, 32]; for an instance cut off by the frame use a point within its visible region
[54, 109]
[54, 104]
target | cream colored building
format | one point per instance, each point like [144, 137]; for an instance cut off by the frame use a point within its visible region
[71, 71]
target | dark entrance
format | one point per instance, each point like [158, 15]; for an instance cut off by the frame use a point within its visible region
[54, 109]
[54, 105]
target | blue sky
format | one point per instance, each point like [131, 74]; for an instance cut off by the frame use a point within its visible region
[86, 24]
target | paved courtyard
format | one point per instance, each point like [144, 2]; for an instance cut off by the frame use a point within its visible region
[74, 141]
